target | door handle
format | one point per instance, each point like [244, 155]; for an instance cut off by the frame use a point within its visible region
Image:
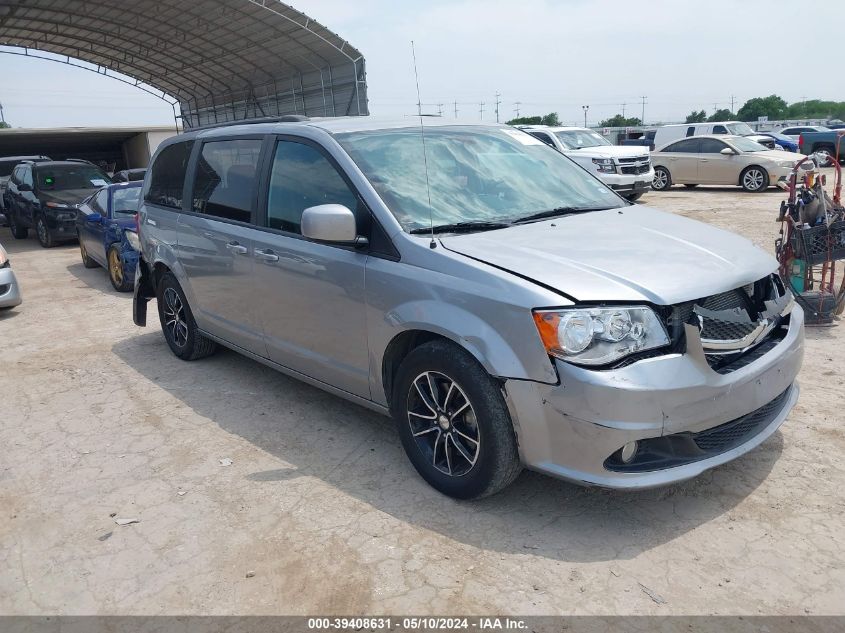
[267, 256]
[237, 248]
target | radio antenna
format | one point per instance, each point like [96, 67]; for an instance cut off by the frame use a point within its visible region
[433, 243]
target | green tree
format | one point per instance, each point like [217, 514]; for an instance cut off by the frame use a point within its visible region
[617, 120]
[696, 117]
[722, 114]
[4, 125]
[772, 106]
[551, 119]
[816, 109]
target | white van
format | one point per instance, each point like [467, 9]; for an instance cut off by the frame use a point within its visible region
[670, 133]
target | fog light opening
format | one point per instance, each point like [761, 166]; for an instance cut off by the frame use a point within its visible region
[628, 451]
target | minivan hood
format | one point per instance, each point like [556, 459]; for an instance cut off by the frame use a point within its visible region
[613, 151]
[635, 254]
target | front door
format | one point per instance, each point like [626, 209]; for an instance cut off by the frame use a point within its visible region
[715, 168]
[311, 296]
[215, 242]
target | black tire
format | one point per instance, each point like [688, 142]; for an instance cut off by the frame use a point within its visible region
[188, 344]
[86, 259]
[633, 197]
[479, 467]
[830, 153]
[18, 232]
[43, 233]
[754, 179]
[116, 276]
[691, 185]
[662, 179]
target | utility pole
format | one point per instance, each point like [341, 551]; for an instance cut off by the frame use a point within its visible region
[439, 109]
[498, 101]
[623, 110]
[585, 108]
[2, 116]
[732, 103]
[456, 109]
[481, 110]
[642, 119]
[516, 109]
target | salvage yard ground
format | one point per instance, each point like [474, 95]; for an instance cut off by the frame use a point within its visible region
[257, 494]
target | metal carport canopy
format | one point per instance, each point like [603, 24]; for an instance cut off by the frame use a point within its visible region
[221, 60]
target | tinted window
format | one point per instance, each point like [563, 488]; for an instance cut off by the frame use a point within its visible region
[687, 146]
[711, 146]
[226, 180]
[690, 131]
[543, 137]
[168, 175]
[720, 129]
[302, 177]
[100, 203]
[26, 175]
[16, 175]
[70, 176]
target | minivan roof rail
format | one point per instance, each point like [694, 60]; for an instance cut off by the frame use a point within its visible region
[285, 118]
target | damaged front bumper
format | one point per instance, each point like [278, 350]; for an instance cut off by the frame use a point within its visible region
[685, 416]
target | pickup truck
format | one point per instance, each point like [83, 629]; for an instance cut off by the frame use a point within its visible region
[828, 143]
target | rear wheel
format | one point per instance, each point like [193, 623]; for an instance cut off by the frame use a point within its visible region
[116, 275]
[18, 232]
[86, 259]
[44, 237]
[828, 155]
[662, 179]
[754, 179]
[177, 322]
[453, 422]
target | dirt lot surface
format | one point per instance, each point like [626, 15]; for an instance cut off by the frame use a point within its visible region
[100, 422]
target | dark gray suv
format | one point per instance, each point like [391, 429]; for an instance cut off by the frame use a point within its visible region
[499, 301]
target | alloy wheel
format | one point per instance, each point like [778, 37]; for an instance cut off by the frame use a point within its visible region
[753, 179]
[661, 179]
[115, 268]
[174, 317]
[443, 423]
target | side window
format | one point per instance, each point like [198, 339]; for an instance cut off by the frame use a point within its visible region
[100, 203]
[16, 175]
[302, 177]
[543, 137]
[690, 131]
[26, 175]
[711, 146]
[720, 129]
[687, 146]
[167, 176]
[227, 179]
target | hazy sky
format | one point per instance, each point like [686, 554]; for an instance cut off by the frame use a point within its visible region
[552, 55]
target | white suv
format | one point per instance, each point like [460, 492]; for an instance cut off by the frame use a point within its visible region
[626, 170]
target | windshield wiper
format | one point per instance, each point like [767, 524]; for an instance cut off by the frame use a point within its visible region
[551, 213]
[461, 227]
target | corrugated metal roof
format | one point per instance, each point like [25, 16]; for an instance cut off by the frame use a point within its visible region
[221, 59]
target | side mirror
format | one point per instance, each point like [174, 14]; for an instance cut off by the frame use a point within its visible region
[24, 187]
[727, 152]
[333, 223]
[94, 218]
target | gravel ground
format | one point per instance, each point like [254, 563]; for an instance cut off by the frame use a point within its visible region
[319, 510]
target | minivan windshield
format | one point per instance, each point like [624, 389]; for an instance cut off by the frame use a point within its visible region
[62, 177]
[578, 139]
[740, 129]
[475, 174]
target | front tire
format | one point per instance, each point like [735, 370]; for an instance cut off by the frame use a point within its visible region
[453, 422]
[116, 275]
[18, 232]
[754, 179]
[662, 179]
[43, 233]
[177, 322]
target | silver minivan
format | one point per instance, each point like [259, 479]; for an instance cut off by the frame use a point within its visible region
[498, 301]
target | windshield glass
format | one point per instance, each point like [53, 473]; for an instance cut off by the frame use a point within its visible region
[62, 177]
[576, 139]
[747, 145]
[740, 129]
[476, 174]
[125, 200]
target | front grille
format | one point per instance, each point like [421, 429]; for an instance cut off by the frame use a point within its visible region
[736, 432]
[637, 169]
[717, 330]
[730, 300]
[635, 159]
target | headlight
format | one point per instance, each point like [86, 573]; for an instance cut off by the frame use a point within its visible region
[597, 336]
[132, 238]
[605, 165]
[786, 164]
[57, 205]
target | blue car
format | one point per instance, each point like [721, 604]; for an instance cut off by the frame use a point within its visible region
[108, 232]
[787, 143]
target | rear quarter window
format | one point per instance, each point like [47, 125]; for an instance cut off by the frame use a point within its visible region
[166, 180]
